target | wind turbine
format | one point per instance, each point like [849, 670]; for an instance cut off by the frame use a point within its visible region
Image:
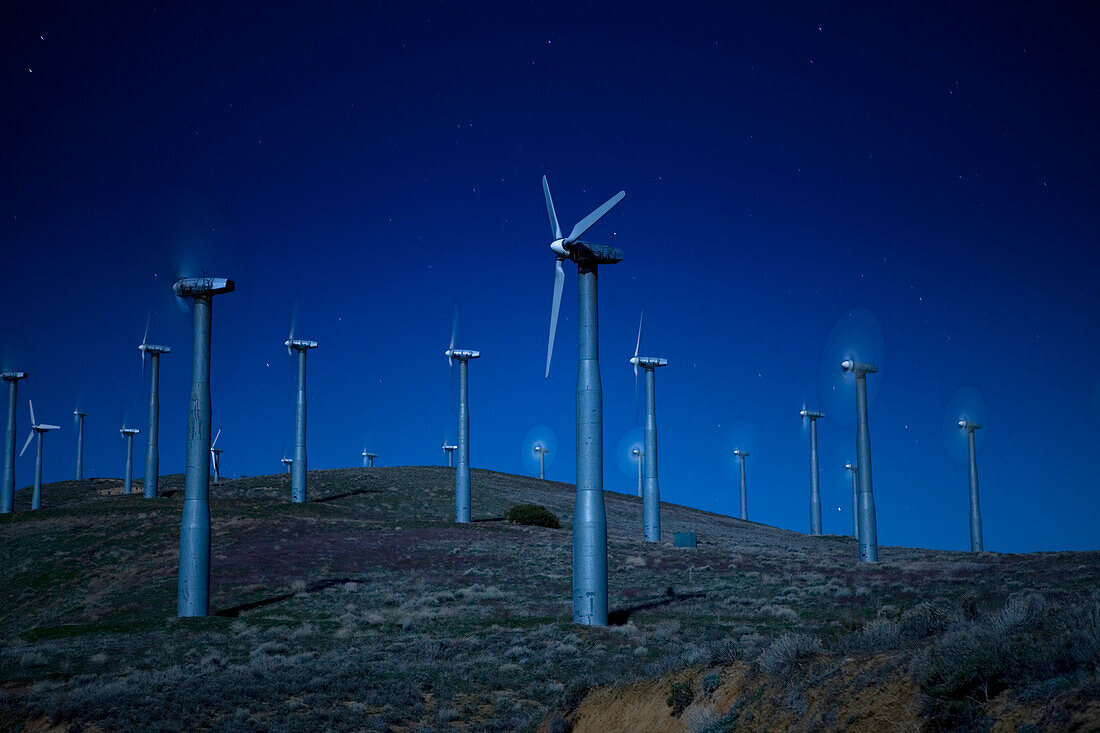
[193, 596]
[868, 534]
[815, 487]
[450, 451]
[216, 457]
[287, 462]
[462, 473]
[742, 455]
[639, 457]
[7, 490]
[541, 450]
[651, 494]
[79, 443]
[855, 498]
[298, 475]
[589, 515]
[370, 459]
[152, 431]
[975, 509]
[364, 458]
[39, 430]
[128, 480]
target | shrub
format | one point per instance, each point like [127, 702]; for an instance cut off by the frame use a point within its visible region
[787, 651]
[679, 697]
[533, 514]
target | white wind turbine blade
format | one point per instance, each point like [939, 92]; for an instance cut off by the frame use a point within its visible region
[218, 435]
[29, 438]
[559, 283]
[145, 340]
[587, 222]
[554, 228]
[33, 421]
[49, 427]
[637, 344]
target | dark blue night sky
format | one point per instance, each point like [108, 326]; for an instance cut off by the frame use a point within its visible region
[917, 187]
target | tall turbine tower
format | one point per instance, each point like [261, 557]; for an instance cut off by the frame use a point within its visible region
[639, 458]
[651, 494]
[79, 443]
[298, 470]
[589, 515]
[193, 597]
[742, 455]
[542, 460]
[975, 509]
[152, 431]
[868, 533]
[128, 479]
[450, 451]
[815, 487]
[39, 430]
[7, 490]
[462, 473]
[855, 498]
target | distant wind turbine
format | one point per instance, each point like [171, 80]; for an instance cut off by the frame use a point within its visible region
[37, 429]
[975, 508]
[298, 470]
[79, 443]
[868, 533]
[742, 455]
[151, 481]
[462, 472]
[815, 487]
[128, 477]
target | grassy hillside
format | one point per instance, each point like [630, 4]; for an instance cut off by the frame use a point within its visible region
[368, 609]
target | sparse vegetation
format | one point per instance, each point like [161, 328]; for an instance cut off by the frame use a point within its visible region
[534, 515]
[369, 609]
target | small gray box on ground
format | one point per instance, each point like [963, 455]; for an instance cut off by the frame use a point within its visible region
[684, 539]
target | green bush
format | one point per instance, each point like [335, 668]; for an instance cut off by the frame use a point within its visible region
[533, 514]
[679, 697]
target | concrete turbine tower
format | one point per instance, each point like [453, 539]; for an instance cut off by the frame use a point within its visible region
[216, 458]
[975, 509]
[298, 475]
[742, 455]
[868, 533]
[39, 430]
[541, 450]
[193, 597]
[287, 462]
[7, 490]
[462, 473]
[651, 494]
[639, 458]
[128, 477]
[855, 498]
[589, 514]
[450, 451]
[815, 486]
[152, 430]
[79, 443]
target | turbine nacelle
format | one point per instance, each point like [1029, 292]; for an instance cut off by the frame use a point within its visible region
[858, 367]
[968, 425]
[78, 413]
[450, 447]
[741, 453]
[286, 461]
[13, 376]
[45, 428]
[129, 431]
[811, 414]
[300, 344]
[637, 452]
[648, 362]
[850, 466]
[154, 349]
[461, 354]
[195, 287]
[540, 449]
